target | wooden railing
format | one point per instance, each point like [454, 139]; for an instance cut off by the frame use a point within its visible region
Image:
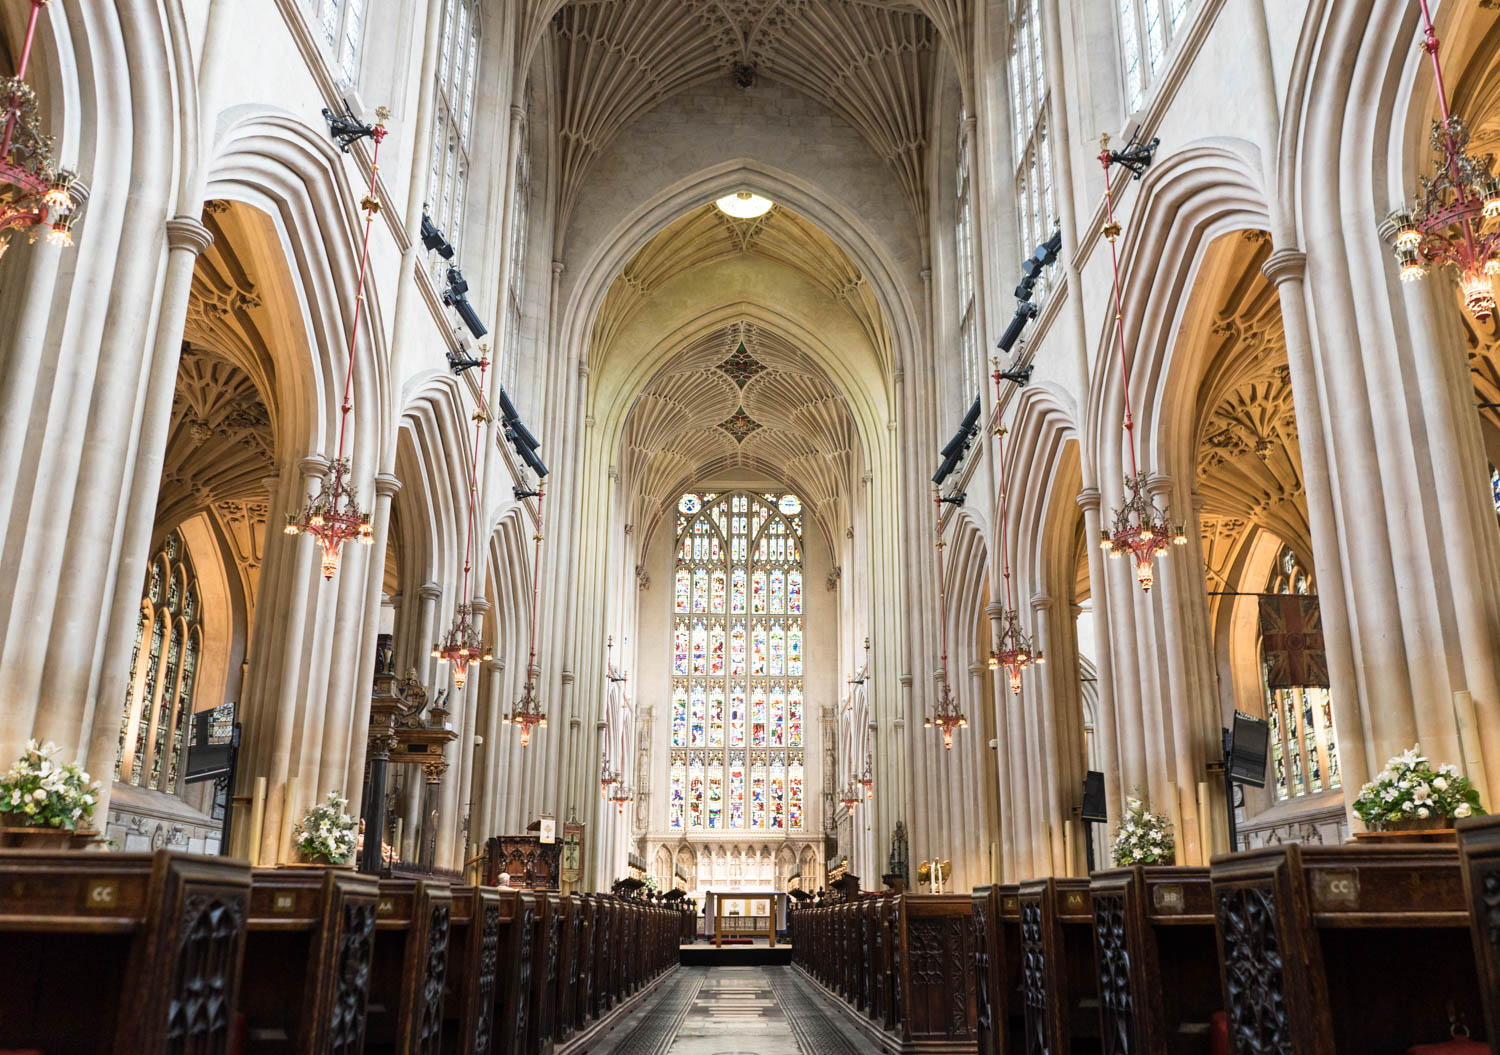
[170, 952]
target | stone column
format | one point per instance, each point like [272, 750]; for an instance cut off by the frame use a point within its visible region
[387, 487]
[1183, 633]
[458, 794]
[413, 789]
[186, 239]
[1107, 725]
[431, 816]
[1000, 758]
[1287, 268]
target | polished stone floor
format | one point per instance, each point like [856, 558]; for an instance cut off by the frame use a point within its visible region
[735, 1011]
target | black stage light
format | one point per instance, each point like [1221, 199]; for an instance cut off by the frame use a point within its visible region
[434, 240]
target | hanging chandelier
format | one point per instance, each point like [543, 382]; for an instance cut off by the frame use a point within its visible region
[464, 644]
[1014, 650]
[850, 796]
[527, 712]
[866, 779]
[1140, 528]
[620, 796]
[946, 714]
[607, 779]
[333, 516]
[34, 192]
[1455, 221]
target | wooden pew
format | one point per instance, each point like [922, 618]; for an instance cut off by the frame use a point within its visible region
[413, 924]
[513, 996]
[478, 930]
[539, 1031]
[1341, 949]
[1479, 852]
[1059, 987]
[1157, 959]
[306, 978]
[990, 992]
[936, 939]
[108, 953]
[567, 966]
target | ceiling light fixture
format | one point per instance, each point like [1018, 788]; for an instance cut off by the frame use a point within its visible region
[946, 713]
[527, 712]
[743, 205]
[1140, 529]
[464, 642]
[1014, 651]
[333, 516]
[37, 194]
[1456, 219]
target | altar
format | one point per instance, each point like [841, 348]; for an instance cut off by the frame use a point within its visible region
[744, 914]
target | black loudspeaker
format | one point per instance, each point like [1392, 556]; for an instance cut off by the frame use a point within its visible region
[1245, 759]
[1094, 808]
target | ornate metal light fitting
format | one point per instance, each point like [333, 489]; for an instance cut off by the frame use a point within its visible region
[34, 192]
[866, 779]
[527, 712]
[607, 779]
[1456, 219]
[1014, 650]
[620, 796]
[946, 713]
[850, 796]
[464, 643]
[1140, 529]
[333, 515]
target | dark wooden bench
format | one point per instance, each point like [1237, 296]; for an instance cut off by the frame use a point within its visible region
[1342, 949]
[110, 953]
[409, 971]
[1479, 852]
[306, 980]
[1157, 959]
[1059, 986]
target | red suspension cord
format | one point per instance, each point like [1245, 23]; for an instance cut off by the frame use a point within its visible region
[536, 571]
[1112, 231]
[942, 585]
[480, 417]
[371, 205]
[15, 99]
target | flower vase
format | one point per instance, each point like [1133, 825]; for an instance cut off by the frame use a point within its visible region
[1412, 830]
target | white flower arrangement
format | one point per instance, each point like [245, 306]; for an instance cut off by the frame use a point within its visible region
[1408, 792]
[1142, 837]
[41, 792]
[328, 831]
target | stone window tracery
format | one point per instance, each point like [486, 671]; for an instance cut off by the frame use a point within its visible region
[520, 219]
[340, 24]
[1032, 154]
[163, 670]
[737, 664]
[457, 73]
[1304, 746]
[1146, 29]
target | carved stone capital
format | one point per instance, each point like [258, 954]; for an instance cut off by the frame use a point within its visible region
[433, 770]
[479, 606]
[1285, 265]
[430, 591]
[387, 485]
[313, 466]
[184, 232]
[1159, 485]
[1041, 603]
[1088, 499]
[994, 610]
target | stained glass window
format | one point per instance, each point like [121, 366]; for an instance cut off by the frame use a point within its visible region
[1146, 29]
[1304, 747]
[163, 670]
[341, 24]
[737, 681]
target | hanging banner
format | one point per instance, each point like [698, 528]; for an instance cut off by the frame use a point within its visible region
[572, 853]
[1291, 640]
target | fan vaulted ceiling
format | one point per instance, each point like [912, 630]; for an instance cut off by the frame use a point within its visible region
[705, 236]
[870, 61]
[741, 399]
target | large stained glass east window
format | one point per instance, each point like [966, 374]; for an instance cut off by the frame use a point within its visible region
[737, 760]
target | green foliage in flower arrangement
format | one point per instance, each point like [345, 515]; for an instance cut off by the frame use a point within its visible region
[1141, 837]
[328, 832]
[1409, 789]
[41, 792]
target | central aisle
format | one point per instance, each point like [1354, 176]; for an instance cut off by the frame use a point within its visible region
[734, 1011]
